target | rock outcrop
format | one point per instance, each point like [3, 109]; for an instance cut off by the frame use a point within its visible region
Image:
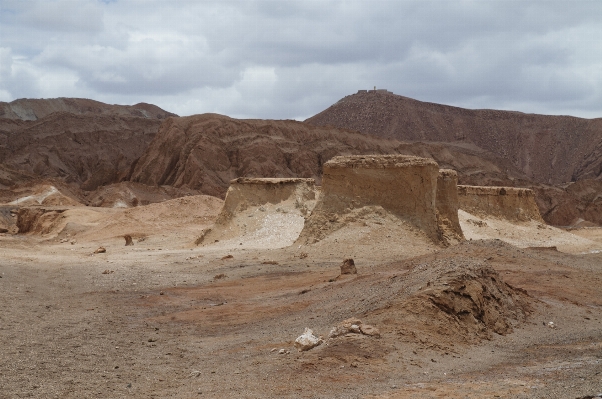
[514, 204]
[403, 186]
[262, 212]
[447, 206]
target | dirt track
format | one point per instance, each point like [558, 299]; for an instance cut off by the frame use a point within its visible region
[163, 319]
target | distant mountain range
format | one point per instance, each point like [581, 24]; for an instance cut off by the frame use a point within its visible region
[87, 146]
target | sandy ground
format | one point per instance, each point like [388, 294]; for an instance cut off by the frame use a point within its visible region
[165, 318]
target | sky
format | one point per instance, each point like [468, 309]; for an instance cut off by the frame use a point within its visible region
[288, 59]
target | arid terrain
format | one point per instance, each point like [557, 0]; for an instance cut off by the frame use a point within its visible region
[239, 230]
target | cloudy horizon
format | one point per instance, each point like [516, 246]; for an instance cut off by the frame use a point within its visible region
[289, 59]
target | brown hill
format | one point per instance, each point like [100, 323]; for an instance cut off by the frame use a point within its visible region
[205, 152]
[88, 150]
[34, 109]
[547, 149]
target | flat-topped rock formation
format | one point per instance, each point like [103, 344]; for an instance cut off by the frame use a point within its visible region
[514, 204]
[403, 186]
[262, 213]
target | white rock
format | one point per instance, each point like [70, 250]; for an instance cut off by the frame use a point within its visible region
[307, 341]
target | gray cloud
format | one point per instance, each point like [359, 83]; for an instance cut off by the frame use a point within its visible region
[291, 59]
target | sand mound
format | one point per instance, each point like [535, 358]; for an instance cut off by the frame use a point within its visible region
[262, 213]
[523, 234]
[514, 204]
[456, 303]
[353, 187]
[182, 215]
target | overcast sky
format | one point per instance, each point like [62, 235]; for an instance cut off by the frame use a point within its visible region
[291, 59]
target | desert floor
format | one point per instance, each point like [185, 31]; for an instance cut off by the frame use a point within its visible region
[166, 318]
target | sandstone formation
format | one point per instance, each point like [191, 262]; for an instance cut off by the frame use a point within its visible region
[447, 206]
[403, 186]
[548, 149]
[262, 212]
[514, 204]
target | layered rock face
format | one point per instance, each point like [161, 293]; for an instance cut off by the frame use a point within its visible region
[514, 204]
[404, 186]
[447, 206]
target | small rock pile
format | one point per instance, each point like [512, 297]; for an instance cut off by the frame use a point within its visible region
[353, 326]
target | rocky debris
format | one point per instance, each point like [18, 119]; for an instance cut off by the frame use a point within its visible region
[353, 326]
[227, 257]
[100, 250]
[307, 340]
[348, 267]
[128, 240]
[108, 271]
[219, 276]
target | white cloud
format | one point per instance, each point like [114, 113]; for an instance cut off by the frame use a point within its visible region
[291, 59]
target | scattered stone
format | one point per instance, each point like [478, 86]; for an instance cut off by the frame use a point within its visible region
[269, 262]
[282, 352]
[108, 272]
[195, 373]
[307, 340]
[73, 242]
[128, 240]
[551, 324]
[348, 267]
[100, 250]
[228, 257]
[303, 255]
[219, 276]
[369, 330]
[274, 349]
